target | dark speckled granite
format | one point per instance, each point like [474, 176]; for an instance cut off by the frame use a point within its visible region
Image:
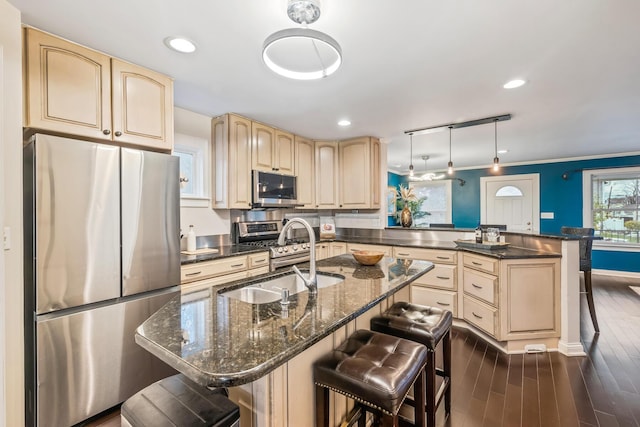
[219, 341]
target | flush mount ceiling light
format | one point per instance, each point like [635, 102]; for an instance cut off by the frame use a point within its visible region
[180, 44]
[512, 84]
[302, 53]
[344, 123]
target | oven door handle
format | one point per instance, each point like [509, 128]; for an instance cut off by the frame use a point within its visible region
[284, 261]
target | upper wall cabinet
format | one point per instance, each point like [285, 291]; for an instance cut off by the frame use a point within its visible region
[75, 90]
[231, 159]
[327, 175]
[359, 183]
[271, 150]
[305, 172]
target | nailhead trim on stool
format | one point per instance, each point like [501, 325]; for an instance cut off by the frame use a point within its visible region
[374, 369]
[428, 326]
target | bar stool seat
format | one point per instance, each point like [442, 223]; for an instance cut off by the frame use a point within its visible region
[428, 326]
[178, 401]
[375, 370]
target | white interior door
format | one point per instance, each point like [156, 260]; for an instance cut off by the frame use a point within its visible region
[513, 200]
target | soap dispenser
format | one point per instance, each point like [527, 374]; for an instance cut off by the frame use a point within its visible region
[191, 239]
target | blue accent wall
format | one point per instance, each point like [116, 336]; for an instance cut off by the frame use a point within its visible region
[557, 195]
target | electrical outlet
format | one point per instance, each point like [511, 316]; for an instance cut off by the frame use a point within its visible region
[6, 238]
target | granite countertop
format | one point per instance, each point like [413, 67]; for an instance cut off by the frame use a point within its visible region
[511, 252]
[223, 252]
[219, 341]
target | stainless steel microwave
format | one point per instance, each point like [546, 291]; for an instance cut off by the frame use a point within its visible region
[272, 190]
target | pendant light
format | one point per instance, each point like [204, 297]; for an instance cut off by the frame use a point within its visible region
[410, 154]
[496, 160]
[450, 164]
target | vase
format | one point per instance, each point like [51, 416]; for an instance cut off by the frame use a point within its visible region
[405, 217]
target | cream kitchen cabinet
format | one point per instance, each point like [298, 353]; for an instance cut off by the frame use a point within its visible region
[322, 250]
[231, 157]
[219, 271]
[438, 287]
[272, 150]
[75, 90]
[513, 300]
[337, 248]
[305, 172]
[359, 176]
[327, 175]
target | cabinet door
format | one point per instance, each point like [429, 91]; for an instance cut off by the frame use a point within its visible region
[376, 185]
[327, 169]
[337, 248]
[68, 87]
[305, 172]
[142, 106]
[284, 153]
[355, 174]
[239, 172]
[262, 147]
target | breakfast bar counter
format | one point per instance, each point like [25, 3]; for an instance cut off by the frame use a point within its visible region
[219, 341]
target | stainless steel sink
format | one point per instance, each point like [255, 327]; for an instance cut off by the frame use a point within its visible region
[266, 291]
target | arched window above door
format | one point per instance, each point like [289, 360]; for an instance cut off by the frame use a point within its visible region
[509, 191]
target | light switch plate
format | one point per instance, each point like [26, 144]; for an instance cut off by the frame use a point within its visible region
[546, 215]
[6, 237]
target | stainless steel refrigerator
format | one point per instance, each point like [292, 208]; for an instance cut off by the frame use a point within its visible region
[101, 255]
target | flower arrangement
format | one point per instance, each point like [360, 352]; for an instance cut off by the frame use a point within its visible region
[405, 196]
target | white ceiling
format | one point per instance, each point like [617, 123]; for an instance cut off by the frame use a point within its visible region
[407, 64]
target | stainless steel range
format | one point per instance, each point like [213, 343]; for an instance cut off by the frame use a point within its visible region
[265, 234]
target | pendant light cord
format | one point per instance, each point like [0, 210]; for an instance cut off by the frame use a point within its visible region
[411, 154]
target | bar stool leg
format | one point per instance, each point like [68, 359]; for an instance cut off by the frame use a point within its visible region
[430, 369]
[419, 391]
[322, 406]
[446, 367]
[592, 308]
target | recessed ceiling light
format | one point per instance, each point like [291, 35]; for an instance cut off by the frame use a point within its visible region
[503, 151]
[514, 84]
[180, 44]
[344, 123]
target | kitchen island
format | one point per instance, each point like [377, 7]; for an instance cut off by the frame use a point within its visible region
[264, 352]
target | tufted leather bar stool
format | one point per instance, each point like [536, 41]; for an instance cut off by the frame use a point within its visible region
[428, 326]
[375, 370]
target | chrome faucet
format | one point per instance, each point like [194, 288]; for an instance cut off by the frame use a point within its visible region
[312, 282]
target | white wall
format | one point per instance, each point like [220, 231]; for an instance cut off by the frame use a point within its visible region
[11, 279]
[205, 220]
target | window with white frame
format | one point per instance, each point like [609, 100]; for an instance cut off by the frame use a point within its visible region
[436, 206]
[193, 153]
[612, 205]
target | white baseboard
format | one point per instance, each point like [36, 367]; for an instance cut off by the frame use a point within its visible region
[571, 348]
[615, 273]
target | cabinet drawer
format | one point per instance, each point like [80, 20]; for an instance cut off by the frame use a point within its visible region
[485, 264]
[258, 271]
[433, 255]
[258, 260]
[219, 280]
[435, 298]
[481, 285]
[442, 276]
[202, 270]
[352, 247]
[480, 315]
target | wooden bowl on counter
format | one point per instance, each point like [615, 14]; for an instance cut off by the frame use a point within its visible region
[368, 257]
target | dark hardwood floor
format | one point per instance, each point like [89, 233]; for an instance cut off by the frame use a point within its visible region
[491, 388]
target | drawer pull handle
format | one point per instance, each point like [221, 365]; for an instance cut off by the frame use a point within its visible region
[442, 277]
[403, 254]
[193, 274]
[237, 265]
[479, 317]
[476, 263]
[442, 257]
[476, 286]
[443, 304]
[260, 260]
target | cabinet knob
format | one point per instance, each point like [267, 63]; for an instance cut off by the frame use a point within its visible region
[106, 131]
[118, 133]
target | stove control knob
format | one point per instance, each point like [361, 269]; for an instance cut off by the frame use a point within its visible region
[286, 249]
[280, 250]
[304, 246]
[294, 247]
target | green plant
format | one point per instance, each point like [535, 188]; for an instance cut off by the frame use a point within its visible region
[406, 197]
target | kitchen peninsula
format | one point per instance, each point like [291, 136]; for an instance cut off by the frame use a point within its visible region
[264, 352]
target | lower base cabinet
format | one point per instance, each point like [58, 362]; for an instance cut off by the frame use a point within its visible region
[217, 272]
